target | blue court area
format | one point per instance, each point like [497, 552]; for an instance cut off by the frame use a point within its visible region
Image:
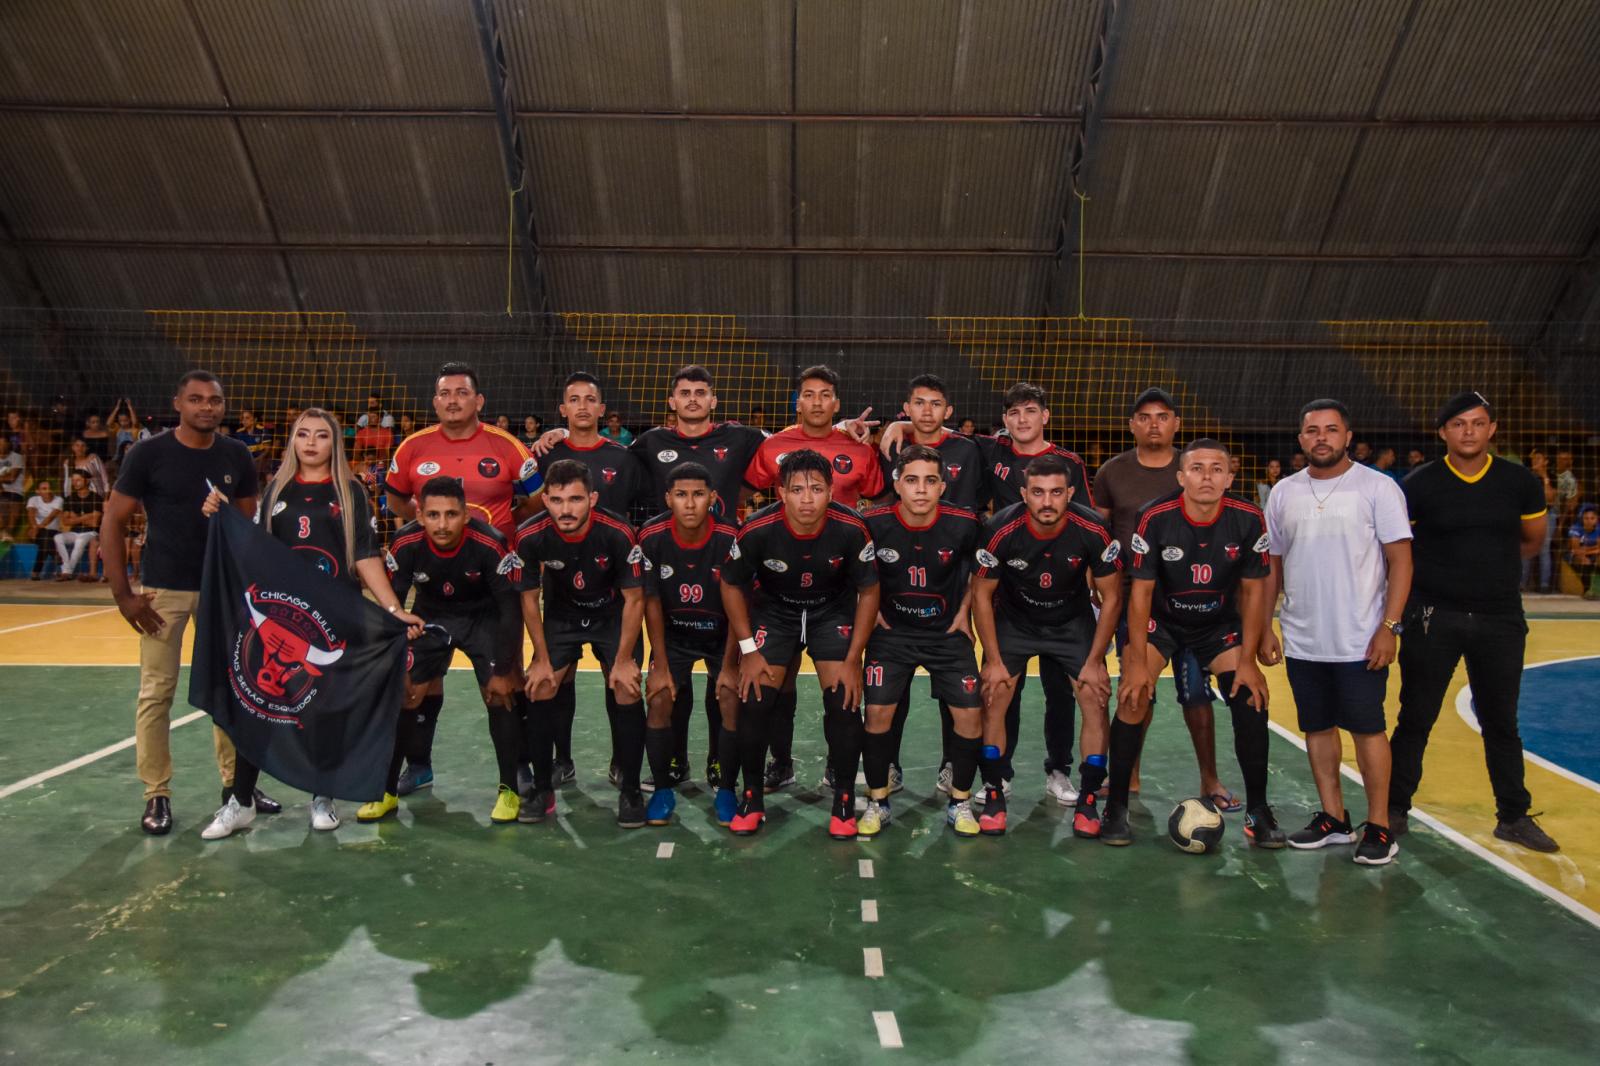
[1558, 714]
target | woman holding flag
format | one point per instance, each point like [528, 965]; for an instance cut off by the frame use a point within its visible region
[318, 507]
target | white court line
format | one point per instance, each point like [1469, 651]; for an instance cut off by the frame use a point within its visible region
[869, 910]
[1510, 869]
[55, 621]
[888, 1028]
[85, 760]
[864, 868]
[872, 960]
[1469, 716]
[664, 850]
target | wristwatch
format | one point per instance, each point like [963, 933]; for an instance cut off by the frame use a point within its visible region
[1394, 626]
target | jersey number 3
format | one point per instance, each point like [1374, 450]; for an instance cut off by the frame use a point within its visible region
[305, 527]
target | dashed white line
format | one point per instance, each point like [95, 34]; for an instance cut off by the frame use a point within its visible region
[55, 621]
[872, 959]
[888, 1028]
[864, 868]
[869, 910]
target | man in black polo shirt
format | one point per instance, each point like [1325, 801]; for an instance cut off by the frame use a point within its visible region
[1475, 519]
[171, 475]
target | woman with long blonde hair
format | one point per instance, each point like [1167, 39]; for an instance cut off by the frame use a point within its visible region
[317, 506]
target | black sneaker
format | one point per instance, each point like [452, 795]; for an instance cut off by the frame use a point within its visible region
[1261, 828]
[263, 803]
[565, 772]
[524, 779]
[1377, 847]
[1399, 821]
[1525, 831]
[778, 775]
[630, 809]
[1114, 826]
[537, 805]
[1324, 830]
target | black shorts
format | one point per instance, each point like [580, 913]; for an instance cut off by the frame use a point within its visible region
[564, 639]
[1205, 642]
[1065, 646]
[1337, 695]
[893, 655]
[681, 661]
[780, 634]
[428, 657]
[1188, 675]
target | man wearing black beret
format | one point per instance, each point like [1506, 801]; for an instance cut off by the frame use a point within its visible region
[1475, 519]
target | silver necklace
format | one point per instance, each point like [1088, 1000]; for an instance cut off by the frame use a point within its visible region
[1322, 501]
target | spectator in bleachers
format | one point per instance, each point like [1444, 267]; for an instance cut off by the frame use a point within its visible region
[1583, 547]
[127, 431]
[1297, 462]
[13, 486]
[1384, 463]
[967, 427]
[1414, 459]
[1567, 487]
[97, 437]
[503, 422]
[373, 440]
[251, 433]
[1539, 464]
[408, 426]
[532, 430]
[44, 522]
[1362, 453]
[80, 527]
[1269, 479]
[81, 457]
[375, 415]
[16, 433]
[615, 430]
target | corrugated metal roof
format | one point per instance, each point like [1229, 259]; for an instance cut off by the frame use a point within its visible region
[1495, 292]
[90, 277]
[347, 53]
[1488, 57]
[87, 51]
[884, 285]
[706, 183]
[1025, 57]
[1171, 289]
[641, 283]
[1245, 57]
[1471, 191]
[683, 55]
[413, 280]
[380, 179]
[1214, 188]
[930, 186]
[132, 177]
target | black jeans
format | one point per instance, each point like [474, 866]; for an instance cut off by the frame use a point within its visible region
[1435, 640]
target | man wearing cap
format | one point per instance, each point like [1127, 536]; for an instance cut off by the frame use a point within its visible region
[1474, 521]
[1122, 486]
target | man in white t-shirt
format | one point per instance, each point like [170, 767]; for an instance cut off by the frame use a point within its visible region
[1340, 544]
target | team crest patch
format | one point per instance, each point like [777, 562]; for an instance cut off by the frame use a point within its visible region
[636, 554]
[844, 631]
[389, 562]
[986, 558]
[473, 575]
[1172, 554]
[1074, 560]
[843, 463]
[608, 474]
[945, 554]
[889, 555]
[733, 550]
[837, 561]
[488, 466]
[1113, 550]
[781, 457]
[954, 471]
[1262, 545]
[666, 571]
[555, 564]
[529, 468]
[777, 566]
[720, 453]
[420, 578]
[868, 552]
[969, 684]
[279, 657]
[1017, 564]
[394, 466]
[511, 563]
[1232, 550]
[448, 589]
[1137, 543]
[666, 455]
[278, 508]
[602, 561]
[427, 469]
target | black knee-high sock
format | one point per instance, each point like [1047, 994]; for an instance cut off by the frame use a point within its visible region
[728, 756]
[1250, 741]
[404, 728]
[245, 776]
[505, 732]
[897, 729]
[947, 733]
[615, 726]
[876, 749]
[781, 726]
[538, 719]
[1013, 728]
[1060, 723]
[1126, 740]
[713, 707]
[963, 761]
[628, 740]
[682, 715]
[420, 751]
[564, 708]
[658, 748]
[755, 719]
[844, 752]
[1091, 775]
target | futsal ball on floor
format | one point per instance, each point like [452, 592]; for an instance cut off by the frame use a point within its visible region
[1196, 826]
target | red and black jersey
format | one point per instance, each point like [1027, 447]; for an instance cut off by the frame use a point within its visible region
[583, 576]
[617, 474]
[478, 577]
[687, 578]
[725, 450]
[491, 464]
[922, 573]
[1004, 466]
[965, 482]
[306, 516]
[824, 570]
[856, 473]
[1041, 575]
[1197, 566]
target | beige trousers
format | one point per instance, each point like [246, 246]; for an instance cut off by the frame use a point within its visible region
[159, 660]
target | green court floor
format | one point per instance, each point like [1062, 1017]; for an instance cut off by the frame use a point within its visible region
[441, 939]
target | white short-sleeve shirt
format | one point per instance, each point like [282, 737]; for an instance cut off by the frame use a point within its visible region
[1330, 535]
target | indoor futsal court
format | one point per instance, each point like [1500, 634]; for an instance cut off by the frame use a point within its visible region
[1230, 211]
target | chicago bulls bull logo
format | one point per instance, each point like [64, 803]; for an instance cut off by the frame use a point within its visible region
[277, 658]
[969, 684]
[608, 474]
[720, 453]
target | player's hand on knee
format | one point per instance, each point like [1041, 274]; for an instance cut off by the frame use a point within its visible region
[660, 683]
[541, 680]
[500, 689]
[625, 681]
[997, 680]
[753, 673]
[1094, 684]
[1249, 678]
[850, 682]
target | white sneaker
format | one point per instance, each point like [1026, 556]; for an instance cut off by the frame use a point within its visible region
[897, 779]
[324, 816]
[229, 819]
[946, 776]
[1059, 785]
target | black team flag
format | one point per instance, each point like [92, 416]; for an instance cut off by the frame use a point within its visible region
[304, 674]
